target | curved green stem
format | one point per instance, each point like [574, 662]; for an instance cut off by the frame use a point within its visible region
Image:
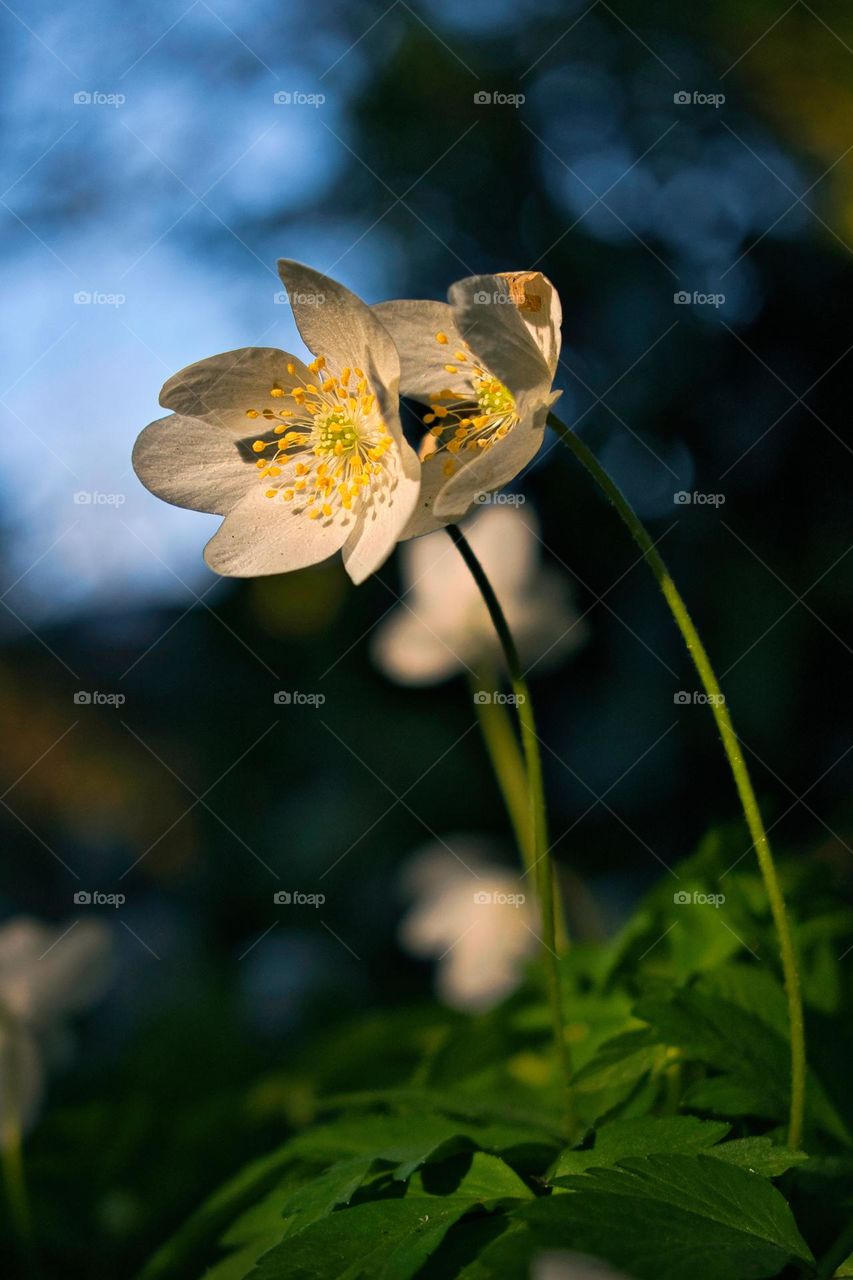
[11, 1142]
[507, 763]
[536, 794]
[731, 746]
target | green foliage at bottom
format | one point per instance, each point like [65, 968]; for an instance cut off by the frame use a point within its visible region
[432, 1145]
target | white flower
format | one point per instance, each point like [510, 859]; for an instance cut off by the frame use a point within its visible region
[484, 366]
[301, 460]
[47, 974]
[474, 917]
[561, 1264]
[442, 626]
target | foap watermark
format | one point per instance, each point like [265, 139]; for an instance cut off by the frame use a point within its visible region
[294, 698]
[684, 499]
[95, 698]
[693, 697]
[485, 897]
[495, 98]
[296, 898]
[682, 898]
[695, 98]
[94, 498]
[95, 898]
[483, 696]
[95, 98]
[686, 298]
[94, 298]
[285, 299]
[296, 98]
[485, 298]
[500, 499]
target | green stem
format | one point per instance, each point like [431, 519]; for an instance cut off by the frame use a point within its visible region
[11, 1140]
[536, 797]
[508, 764]
[731, 746]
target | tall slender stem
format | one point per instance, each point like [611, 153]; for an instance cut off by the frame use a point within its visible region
[536, 794]
[737, 764]
[508, 764]
[11, 1142]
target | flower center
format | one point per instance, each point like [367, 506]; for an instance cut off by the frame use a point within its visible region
[327, 452]
[470, 416]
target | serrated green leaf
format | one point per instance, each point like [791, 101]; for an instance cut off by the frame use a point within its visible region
[390, 1238]
[751, 1053]
[622, 1139]
[408, 1141]
[758, 1155]
[622, 1060]
[672, 1218]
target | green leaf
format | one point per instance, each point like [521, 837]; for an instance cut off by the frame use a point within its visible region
[408, 1141]
[622, 1060]
[758, 1155]
[671, 1218]
[391, 1238]
[622, 1139]
[845, 1270]
[173, 1258]
[753, 1055]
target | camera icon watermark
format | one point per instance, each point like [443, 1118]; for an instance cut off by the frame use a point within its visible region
[695, 298]
[85, 98]
[495, 98]
[296, 898]
[696, 98]
[294, 698]
[698, 899]
[484, 897]
[95, 898]
[500, 499]
[94, 498]
[496, 298]
[94, 698]
[285, 299]
[296, 98]
[695, 698]
[483, 697]
[684, 499]
[95, 298]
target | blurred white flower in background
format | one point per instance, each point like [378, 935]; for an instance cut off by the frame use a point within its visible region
[442, 626]
[563, 1265]
[47, 975]
[474, 917]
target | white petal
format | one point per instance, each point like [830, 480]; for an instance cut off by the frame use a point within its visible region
[336, 323]
[539, 306]
[263, 535]
[192, 464]
[423, 519]
[492, 325]
[380, 525]
[413, 325]
[495, 466]
[222, 389]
